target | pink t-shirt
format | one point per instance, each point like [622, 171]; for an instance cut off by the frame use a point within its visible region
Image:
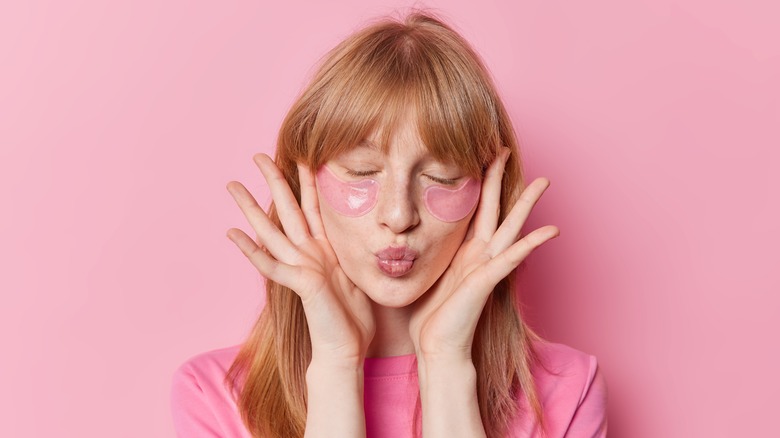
[574, 398]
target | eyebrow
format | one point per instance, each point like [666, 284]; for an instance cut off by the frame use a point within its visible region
[368, 143]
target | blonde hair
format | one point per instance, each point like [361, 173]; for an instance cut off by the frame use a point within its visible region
[365, 83]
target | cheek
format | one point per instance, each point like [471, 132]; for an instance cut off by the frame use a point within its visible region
[450, 205]
[352, 199]
[342, 232]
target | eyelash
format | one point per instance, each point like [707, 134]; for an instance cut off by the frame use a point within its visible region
[360, 172]
[444, 181]
[447, 182]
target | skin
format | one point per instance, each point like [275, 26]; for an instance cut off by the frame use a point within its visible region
[399, 218]
[356, 311]
[356, 198]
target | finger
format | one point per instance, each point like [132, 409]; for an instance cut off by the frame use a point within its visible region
[310, 204]
[503, 264]
[267, 233]
[469, 232]
[486, 217]
[509, 231]
[478, 285]
[268, 267]
[287, 207]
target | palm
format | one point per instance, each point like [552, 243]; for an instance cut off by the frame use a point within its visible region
[436, 316]
[333, 301]
[339, 315]
[445, 319]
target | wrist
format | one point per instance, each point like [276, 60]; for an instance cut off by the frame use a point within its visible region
[334, 391]
[445, 360]
[443, 370]
[449, 400]
[325, 381]
[332, 366]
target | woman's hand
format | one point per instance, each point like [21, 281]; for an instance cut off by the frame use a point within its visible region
[339, 315]
[445, 318]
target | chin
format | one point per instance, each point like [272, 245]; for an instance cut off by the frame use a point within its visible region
[395, 297]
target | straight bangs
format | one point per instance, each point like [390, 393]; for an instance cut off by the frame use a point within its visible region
[457, 116]
[390, 70]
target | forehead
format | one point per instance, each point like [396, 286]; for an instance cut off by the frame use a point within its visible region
[400, 132]
[404, 141]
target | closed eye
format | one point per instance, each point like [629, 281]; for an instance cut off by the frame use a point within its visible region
[445, 181]
[351, 172]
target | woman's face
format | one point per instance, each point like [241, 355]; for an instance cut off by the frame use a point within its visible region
[395, 220]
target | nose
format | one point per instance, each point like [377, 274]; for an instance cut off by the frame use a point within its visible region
[397, 207]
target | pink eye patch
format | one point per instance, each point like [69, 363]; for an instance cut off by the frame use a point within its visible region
[351, 199]
[355, 199]
[452, 205]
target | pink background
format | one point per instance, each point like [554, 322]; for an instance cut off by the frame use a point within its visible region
[121, 122]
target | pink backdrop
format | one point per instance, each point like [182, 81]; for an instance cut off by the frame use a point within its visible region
[121, 122]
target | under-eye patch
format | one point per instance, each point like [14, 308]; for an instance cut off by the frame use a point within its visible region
[354, 199]
[452, 204]
[351, 199]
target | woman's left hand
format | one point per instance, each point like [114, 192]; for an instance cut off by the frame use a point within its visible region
[445, 318]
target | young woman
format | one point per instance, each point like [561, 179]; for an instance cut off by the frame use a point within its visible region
[389, 254]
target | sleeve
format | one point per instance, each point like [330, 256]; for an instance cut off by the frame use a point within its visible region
[192, 415]
[590, 418]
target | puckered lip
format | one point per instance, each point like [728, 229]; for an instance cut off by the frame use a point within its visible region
[395, 261]
[396, 253]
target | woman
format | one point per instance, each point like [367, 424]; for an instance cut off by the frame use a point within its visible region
[389, 253]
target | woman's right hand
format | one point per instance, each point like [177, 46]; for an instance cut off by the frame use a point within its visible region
[341, 323]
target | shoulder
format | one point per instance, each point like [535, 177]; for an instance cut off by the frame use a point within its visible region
[201, 404]
[209, 364]
[572, 390]
[204, 372]
[561, 364]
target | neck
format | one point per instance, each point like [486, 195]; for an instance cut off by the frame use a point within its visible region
[392, 332]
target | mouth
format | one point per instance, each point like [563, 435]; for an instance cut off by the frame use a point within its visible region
[396, 261]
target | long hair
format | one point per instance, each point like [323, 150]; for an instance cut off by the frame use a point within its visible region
[367, 82]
